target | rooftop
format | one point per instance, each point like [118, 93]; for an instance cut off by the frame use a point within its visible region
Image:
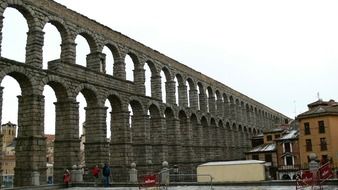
[237, 162]
[264, 148]
[293, 134]
[320, 107]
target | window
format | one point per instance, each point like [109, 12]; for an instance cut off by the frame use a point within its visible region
[325, 159]
[321, 127]
[323, 145]
[288, 160]
[287, 147]
[308, 145]
[277, 136]
[268, 158]
[255, 157]
[307, 128]
[269, 138]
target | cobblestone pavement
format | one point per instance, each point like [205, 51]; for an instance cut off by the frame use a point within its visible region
[207, 188]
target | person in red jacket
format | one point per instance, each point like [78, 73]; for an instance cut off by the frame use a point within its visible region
[96, 171]
[66, 178]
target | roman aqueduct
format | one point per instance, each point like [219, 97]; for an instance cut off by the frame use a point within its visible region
[210, 122]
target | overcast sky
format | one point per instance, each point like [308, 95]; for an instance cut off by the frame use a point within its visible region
[280, 53]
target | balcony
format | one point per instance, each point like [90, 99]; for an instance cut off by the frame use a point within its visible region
[284, 168]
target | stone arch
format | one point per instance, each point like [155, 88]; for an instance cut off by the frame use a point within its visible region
[25, 79]
[220, 124]
[225, 98]
[134, 57]
[25, 10]
[185, 130]
[118, 124]
[167, 73]
[226, 103]
[221, 141]
[115, 102]
[93, 45]
[218, 95]
[191, 83]
[114, 50]
[204, 121]
[58, 85]
[137, 106]
[210, 91]
[214, 139]
[179, 79]
[202, 103]
[154, 111]
[169, 113]
[240, 128]
[228, 138]
[59, 25]
[139, 130]
[66, 112]
[238, 109]
[192, 96]
[234, 127]
[213, 122]
[156, 133]
[89, 92]
[219, 105]
[152, 67]
[132, 69]
[172, 136]
[196, 137]
[207, 151]
[167, 86]
[227, 125]
[210, 100]
[247, 113]
[231, 100]
[85, 49]
[152, 79]
[181, 91]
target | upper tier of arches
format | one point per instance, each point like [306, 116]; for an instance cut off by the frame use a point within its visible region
[193, 91]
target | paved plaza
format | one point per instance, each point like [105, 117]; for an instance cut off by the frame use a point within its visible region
[207, 188]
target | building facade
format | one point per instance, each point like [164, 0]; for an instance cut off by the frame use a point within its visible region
[279, 148]
[319, 133]
[287, 151]
[7, 135]
[266, 151]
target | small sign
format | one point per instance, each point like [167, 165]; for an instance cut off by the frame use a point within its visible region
[325, 171]
[149, 180]
[307, 177]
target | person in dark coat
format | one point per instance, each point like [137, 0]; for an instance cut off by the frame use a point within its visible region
[106, 174]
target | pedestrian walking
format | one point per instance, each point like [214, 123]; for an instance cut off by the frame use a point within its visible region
[106, 175]
[66, 178]
[96, 171]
